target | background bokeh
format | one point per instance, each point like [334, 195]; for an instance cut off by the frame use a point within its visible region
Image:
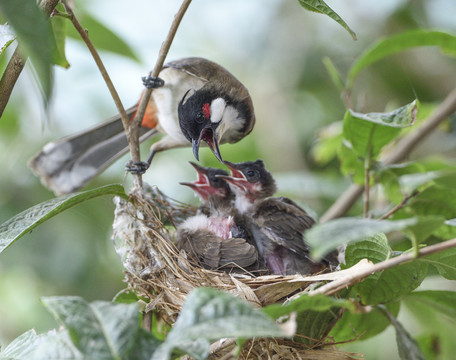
[276, 49]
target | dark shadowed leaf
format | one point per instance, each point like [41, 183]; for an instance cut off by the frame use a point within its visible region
[21, 224]
[35, 37]
[101, 36]
[364, 325]
[208, 315]
[400, 42]
[407, 346]
[321, 7]
[59, 25]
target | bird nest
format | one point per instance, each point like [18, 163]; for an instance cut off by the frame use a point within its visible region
[158, 271]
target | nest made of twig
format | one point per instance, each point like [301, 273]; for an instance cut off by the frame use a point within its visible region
[158, 271]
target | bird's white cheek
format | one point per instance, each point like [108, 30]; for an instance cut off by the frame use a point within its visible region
[217, 108]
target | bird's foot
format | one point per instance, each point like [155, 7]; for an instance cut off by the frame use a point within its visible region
[137, 168]
[152, 82]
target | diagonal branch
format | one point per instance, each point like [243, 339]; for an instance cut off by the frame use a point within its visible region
[366, 271]
[134, 127]
[17, 63]
[402, 150]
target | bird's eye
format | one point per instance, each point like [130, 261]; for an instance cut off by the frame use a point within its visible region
[251, 173]
[215, 179]
[199, 117]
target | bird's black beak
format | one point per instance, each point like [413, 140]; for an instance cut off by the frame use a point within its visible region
[210, 137]
[195, 147]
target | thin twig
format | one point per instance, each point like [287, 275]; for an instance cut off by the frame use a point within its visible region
[366, 186]
[402, 150]
[135, 124]
[104, 73]
[345, 282]
[399, 206]
[16, 64]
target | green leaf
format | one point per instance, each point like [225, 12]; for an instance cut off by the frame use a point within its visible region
[425, 226]
[398, 43]
[368, 133]
[58, 24]
[392, 284]
[444, 262]
[125, 296]
[21, 224]
[327, 145]
[435, 312]
[21, 347]
[321, 7]
[35, 37]
[51, 345]
[351, 164]
[7, 36]
[102, 37]
[306, 302]
[334, 74]
[364, 325]
[438, 300]
[327, 236]
[433, 200]
[407, 346]
[315, 314]
[101, 329]
[313, 326]
[391, 177]
[208, 315]
[375, 248]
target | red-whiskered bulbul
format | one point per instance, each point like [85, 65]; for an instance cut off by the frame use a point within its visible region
[277, 224]
[195, 100]
[213, 237]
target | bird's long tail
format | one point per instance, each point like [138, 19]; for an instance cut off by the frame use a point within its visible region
[67, 164]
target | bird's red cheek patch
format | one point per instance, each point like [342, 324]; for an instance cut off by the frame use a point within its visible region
[207, 110]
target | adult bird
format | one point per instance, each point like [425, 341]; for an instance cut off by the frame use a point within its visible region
[277, 224]
[214, 238]
[195, 100]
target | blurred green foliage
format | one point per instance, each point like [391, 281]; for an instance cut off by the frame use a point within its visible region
[281, 62]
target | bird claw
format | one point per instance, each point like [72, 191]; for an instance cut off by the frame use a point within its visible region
[137, 168]
[152, 82]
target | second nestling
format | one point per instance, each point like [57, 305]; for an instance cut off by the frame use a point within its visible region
[239, 213]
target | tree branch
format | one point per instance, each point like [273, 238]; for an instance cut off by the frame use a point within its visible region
[135, 124]
[402, 150]
[17, 63]
[364, 272]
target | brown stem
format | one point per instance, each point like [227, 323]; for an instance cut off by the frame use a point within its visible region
[342, 283]
[366, 186]
[134, 128]
[402, 150]
[104, 73]
[159, 64]
[16, 64]
[399, 206]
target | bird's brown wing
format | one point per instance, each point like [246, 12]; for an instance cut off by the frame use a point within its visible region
[284, 223]
[237, 251]
[212, 252]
